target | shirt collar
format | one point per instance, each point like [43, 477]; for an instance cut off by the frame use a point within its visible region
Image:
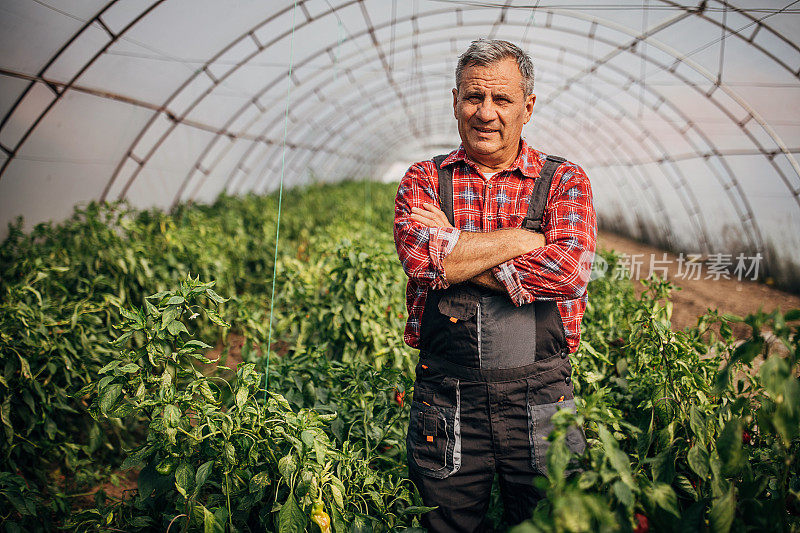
[529, 161]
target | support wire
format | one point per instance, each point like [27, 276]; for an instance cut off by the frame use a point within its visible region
[280, 198]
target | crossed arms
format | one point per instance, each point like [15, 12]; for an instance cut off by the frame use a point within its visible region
[526, 265]
[475, 254]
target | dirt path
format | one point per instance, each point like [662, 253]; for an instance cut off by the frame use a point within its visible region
[698, 295]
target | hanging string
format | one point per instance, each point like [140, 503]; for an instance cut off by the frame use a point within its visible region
[643, 63]
[722, 41]
[530, 21]
[280, 199]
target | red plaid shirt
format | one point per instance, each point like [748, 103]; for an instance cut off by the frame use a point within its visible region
[557, 271]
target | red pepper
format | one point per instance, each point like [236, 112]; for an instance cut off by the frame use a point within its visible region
[642, 524]
[399, 397]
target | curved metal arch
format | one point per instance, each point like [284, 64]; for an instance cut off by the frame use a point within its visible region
[260, 47]
[66, 86]
[370, 31]
[694, 11]
[710, 144]
[319, 144]
[53, 58]
[744, 218]
[695, 211]
[654, 200]
[749, 40]
[725, 187]
[250, 34]
[682, 58]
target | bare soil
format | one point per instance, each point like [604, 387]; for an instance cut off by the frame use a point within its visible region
[696, 296]
[124, 489]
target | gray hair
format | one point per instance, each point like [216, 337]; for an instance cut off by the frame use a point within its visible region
[485, 52]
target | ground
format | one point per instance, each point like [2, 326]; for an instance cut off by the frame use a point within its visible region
[696, 296]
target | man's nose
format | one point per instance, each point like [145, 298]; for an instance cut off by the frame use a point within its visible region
[486, 111]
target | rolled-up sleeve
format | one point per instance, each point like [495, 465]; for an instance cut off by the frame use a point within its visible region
[559, 270]
[421, 249]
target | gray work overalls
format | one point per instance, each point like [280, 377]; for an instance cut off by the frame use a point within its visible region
[489, 378]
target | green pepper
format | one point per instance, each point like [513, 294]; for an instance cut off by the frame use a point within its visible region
[320, 517]
[166, 466]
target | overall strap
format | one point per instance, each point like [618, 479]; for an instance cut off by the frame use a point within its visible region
[445, 187]
[533, 220]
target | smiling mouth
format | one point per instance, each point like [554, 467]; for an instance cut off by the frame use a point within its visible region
[485, 130]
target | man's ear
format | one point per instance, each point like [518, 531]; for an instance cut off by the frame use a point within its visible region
[455, 102]
[529, 101]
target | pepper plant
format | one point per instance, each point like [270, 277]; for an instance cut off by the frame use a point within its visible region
[684, 434]
[238, 466]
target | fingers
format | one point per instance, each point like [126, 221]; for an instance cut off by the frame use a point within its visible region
[430, 215]
[423, 217]
[432, 207]
[436, 216]
[423, 213]
[423, 220]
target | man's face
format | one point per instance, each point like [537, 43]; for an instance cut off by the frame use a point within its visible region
[491, 109]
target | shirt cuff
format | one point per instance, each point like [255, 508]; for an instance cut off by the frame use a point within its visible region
[441, 243]
[507, 274]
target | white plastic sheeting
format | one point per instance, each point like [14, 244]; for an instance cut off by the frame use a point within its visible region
[686, 116]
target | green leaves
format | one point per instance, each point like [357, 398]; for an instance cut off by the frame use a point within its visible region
[290, 518]
[698, 461]
[73, 302]
[723, 510]
[698, 424]
[184, 479]
[172, 415]
[229, 453]
[109, 396]
[618, 460]
[729, 446]
[661, 496]
[241, 397]
[202, 474]
[662, 439]
[260, 481]
[287, 466]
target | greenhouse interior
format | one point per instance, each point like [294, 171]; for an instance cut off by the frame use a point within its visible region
[213, 287]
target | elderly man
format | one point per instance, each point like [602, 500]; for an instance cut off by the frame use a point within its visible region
[497, 240]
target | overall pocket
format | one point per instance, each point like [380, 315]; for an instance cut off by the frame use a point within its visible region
[448, 326]
[540, 424]
[433, 441]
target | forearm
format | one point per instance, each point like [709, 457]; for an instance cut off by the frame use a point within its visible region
[475, 253]
[487, 280]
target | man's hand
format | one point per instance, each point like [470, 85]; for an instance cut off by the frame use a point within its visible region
[431, 216]
[487, 280]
